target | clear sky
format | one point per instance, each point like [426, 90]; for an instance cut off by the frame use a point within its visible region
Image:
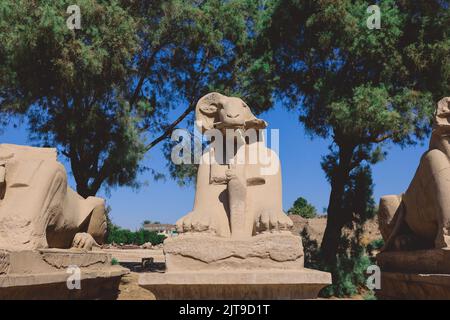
[302, 175]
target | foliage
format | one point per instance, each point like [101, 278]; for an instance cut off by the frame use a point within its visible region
[310, 250]
[359, 87]
[119, 235]
[349, 273]
[114, 261]
[302, 208]
[352, 259]
[370, 295]
[107, 93]
[70, 81]
[374, 247]
[376, 244]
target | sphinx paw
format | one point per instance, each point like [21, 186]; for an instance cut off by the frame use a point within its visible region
[442, 242]
[195, 221]
[271, 220]
[83, 240]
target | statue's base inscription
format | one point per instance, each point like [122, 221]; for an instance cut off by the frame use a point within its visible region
[48, 274]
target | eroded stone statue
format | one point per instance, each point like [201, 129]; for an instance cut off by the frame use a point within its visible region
[420, 218]
[38, 209]
[236, 242]
[237, 199]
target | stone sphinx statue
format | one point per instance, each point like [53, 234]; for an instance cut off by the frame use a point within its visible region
[38, 209]
[236, 243]
[420, 217]
[235, 198]
[238, 202]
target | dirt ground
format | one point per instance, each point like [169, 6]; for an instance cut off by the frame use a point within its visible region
[130, 290]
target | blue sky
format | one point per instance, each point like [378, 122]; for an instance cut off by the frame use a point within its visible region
[300, 156]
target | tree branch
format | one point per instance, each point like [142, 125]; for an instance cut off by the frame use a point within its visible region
[147, 64]
[170, 128]
[191, 108]
[383, 138]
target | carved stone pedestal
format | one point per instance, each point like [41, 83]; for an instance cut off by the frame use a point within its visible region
[421, 274]
[266, 266]
[236, 285]
[44, 274]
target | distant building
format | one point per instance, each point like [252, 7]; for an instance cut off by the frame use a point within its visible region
[168, 230]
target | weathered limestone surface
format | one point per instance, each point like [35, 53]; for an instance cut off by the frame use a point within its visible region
[238, 191]
[420, 217]
[38, 210]
[414, 286]
[42, 274]
[264, 251]
[37, 207]
[418, 261]
[419, 274]
[235, 243]
[236, 285]
[415, 261]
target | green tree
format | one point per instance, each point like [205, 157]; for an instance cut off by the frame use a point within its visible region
[302, 208]
[107, 93]
[119, 235]
[352, 258]
[361, 88]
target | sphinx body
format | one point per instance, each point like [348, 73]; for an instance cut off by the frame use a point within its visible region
[235, 198]
[420, 218]
[236, 242]
[38, 209]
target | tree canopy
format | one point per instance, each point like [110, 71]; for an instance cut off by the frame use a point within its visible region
[360, 87]
[303, 208]
[107, 93]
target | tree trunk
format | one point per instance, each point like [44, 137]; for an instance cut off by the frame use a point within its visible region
[85, 191]
[336, 217]
[82, 177]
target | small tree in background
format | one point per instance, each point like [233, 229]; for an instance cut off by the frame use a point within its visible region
[119, 235]
[302, 208]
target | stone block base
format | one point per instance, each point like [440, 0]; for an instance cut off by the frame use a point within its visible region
[195, 252]
[43, 274]
[414, 286]
[418, 261]
[236, 285]
[419, 274]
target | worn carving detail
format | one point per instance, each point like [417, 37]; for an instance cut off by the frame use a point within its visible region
[420, 218]
[237, 221]
[4, 262]
[38, 209]
[234, 199]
